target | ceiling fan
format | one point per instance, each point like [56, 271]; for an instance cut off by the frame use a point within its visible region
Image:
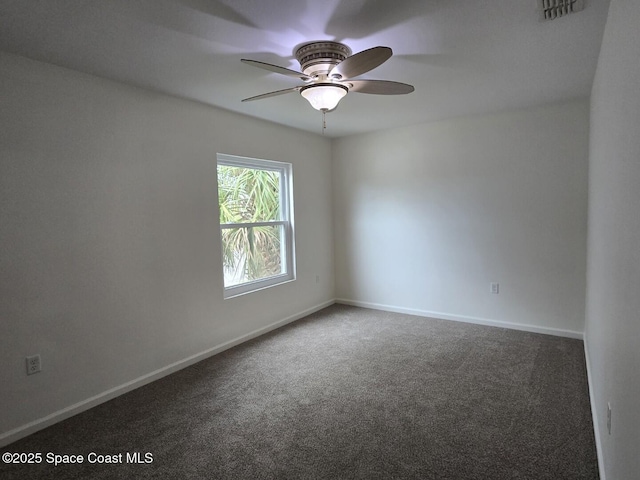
[328, 69]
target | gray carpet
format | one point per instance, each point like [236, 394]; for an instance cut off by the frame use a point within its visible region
[348, 393]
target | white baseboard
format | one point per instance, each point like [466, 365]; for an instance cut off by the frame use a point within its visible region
[41, 423]
[463, 318]
[594, 412]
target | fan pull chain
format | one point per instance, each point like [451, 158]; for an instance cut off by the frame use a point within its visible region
[324, 121]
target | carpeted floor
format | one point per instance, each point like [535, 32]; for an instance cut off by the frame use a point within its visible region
[347, 393]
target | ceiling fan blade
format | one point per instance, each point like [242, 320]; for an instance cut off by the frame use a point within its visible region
[272, 94]
[379, 87]
[276, 69]
[361, 62]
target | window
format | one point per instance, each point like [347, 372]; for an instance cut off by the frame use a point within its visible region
[256, 223]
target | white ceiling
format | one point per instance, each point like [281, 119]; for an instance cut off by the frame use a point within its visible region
[463, 56]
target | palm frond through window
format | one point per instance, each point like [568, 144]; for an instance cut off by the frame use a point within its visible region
[255, 226]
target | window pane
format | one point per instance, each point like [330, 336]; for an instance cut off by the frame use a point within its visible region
[256, 223]
[248, 195]
[251, 253]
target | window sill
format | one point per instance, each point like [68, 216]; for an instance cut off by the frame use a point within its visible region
[245, 288]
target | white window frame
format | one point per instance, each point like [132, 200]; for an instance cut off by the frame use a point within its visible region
[287, 244]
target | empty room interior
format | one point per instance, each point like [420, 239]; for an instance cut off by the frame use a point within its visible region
[341, 239]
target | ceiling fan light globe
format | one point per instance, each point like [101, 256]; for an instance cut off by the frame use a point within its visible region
[324, 96]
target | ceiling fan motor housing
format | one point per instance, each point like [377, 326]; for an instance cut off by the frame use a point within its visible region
[318, 58]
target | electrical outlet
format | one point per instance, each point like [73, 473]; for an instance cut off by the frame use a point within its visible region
[317, 278]
[495, 288]
[609, 417]
[33, 364]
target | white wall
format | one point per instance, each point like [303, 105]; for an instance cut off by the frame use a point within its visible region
[613, 276]
[427, 216]
[110, 250]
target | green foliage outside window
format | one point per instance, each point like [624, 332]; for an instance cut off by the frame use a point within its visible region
[248, 195]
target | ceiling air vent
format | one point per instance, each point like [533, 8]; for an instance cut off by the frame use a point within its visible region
[559, 8]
